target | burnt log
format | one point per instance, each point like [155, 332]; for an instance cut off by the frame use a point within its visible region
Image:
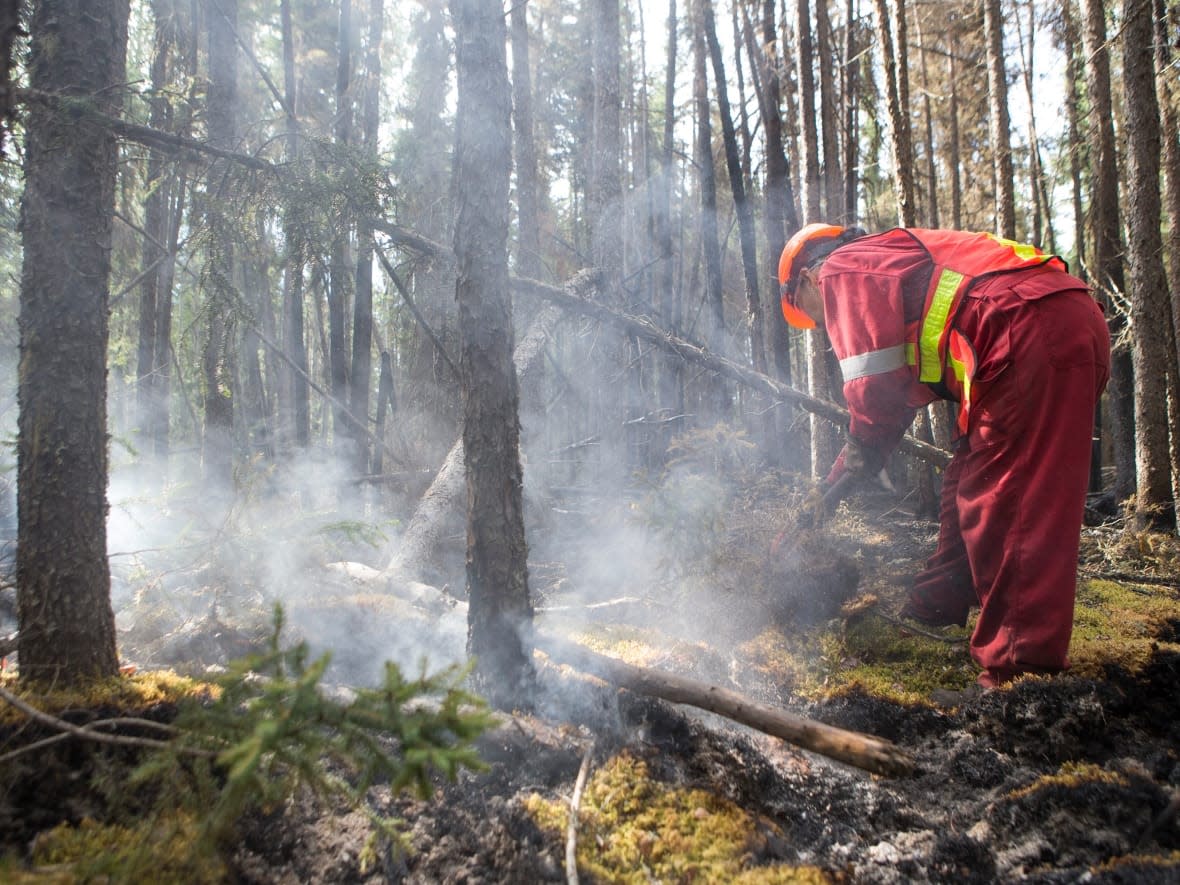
[851, 747]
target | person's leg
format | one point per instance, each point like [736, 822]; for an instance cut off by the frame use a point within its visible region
[1023, 485]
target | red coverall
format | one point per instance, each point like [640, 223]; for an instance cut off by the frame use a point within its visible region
[1013, 495]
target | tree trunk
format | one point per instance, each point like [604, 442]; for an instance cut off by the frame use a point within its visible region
[833, 183]
[812, 210]
[341, 276]
[851, 69]
[1106, 265]
[954, 144]
[362, 307]
[715, 406]
[1169, 99]
[999, 124]
[497, 572]
[528, 221]
[899, 119]
[67, 626]
[669, 303]
[296, 420]
[745, 214]
[156, 225]
[780, 203]
[217, 356]
[1152, 347]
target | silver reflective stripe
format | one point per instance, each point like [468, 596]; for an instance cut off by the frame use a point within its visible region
[875, 362]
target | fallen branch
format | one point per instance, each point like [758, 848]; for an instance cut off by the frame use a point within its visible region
[571, 830]
[1131, 578]
[854, 748]
[909, 627]
[644, 328]
[89, 732]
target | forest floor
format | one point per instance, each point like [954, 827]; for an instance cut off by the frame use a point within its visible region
[1068, 779]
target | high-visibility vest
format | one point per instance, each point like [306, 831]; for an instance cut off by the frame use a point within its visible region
[938, 355]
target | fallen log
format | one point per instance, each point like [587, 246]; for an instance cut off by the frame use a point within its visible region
[854, 748]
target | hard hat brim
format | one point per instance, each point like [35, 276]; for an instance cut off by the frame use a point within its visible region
[796, 316]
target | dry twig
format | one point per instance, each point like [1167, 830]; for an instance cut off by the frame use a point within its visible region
[89, 732]
[571, 831]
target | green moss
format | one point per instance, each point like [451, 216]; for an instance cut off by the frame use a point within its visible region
[1117, 624]
[133, 692]
[1071, 775]
[633, 829]
[159, 850]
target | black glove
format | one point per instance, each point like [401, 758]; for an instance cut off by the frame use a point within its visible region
[861, 460]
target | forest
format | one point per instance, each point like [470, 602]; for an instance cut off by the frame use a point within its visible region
[411, 476]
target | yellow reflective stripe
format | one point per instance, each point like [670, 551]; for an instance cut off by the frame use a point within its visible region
[934, 324]
[1022, 250]
[911, 354]
[960, 370]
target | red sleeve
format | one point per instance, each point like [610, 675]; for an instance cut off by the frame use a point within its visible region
[864, 315]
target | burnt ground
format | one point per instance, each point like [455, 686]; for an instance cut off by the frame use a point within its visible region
[1070, 779]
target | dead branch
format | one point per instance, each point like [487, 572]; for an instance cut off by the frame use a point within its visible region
[571, 830]
[145, 135]
[646, 329]
[861, 750]
[89, 732]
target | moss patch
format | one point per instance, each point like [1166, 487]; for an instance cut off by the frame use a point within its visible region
[158, 850]
[1071, 775]
[634, 829]
[1118, 624]
[136, 692]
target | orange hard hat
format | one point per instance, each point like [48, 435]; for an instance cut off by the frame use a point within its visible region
[801, 250]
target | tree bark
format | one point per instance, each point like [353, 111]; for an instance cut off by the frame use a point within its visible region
[362, 306]
[217, 355]
[67, 626]
[528, 220]
[296, 417]
[1169, 99]
[1153, 348]
[1106, 265]
[497, 570]
[745, 214]
[999, 123]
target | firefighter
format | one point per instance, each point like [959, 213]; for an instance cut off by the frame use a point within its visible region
[1006, 332]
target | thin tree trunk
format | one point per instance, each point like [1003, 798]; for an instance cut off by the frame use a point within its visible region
[156, 225]
[745, 214]
[833, 183]
[710, 245]
[1153, 348]
[1106, 265]
[851, 92]
[1169, 98]
[362, 313]
[954, 144]
[999, 125]
[217, 356]
[903, 152]
[497, 571]
[812, 211]
[528, 229]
